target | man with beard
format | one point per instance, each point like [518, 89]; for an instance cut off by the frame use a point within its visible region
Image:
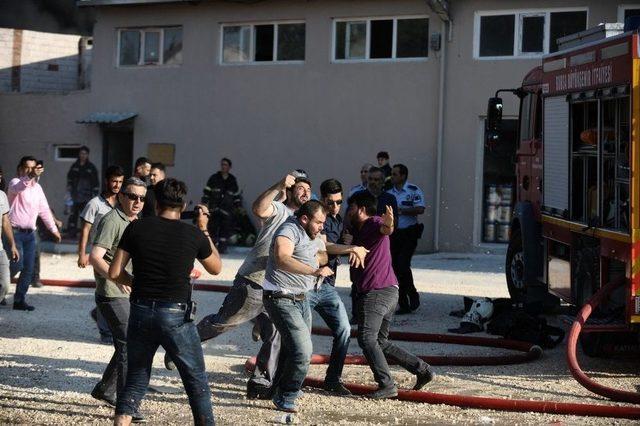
[156, 175]
[244, 301]
[112, 298]
[377, 297]
[91, 216]
[142, 169]
[292, 270]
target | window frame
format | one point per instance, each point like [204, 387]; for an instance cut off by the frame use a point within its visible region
[394, 39]
[252, 44]
[623, 7]
[517, 30]
[58, 157]
[143, 31]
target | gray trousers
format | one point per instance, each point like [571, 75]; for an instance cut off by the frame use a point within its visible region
[5, 276]
[243, 303]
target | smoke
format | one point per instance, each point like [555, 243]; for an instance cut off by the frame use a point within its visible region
[55, 16]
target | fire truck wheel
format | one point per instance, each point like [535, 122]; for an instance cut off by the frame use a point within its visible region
[515, 268]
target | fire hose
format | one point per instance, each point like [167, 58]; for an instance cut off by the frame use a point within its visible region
[532, 352]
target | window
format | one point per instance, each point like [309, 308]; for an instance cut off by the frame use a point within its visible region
[150, 46]
[600, 141]
[625, 11]
[253, 43]
[524, 33]
[381, 39]
[67, 152]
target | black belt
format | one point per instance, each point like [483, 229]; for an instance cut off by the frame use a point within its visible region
[280, 295]
[159, 304]
[16, 229]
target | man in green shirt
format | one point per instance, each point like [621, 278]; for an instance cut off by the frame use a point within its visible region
[112, 298]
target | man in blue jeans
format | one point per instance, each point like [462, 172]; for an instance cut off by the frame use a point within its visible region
[293, 270]
[162, 250]
[324, 298]
[27, 201]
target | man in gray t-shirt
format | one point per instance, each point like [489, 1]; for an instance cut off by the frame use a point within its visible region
[292, 270]
[244, 301]
[7, 233]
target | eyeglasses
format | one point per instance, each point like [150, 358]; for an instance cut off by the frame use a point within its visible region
[134, 197]
[331, 202]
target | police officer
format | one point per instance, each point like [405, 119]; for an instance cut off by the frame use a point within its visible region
[404, 240]
[221, 195]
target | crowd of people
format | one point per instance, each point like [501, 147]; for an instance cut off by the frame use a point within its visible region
[142, 252]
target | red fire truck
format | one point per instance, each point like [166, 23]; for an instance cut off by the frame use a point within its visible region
[576, 222]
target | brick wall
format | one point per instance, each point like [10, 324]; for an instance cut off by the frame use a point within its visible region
[37, 62]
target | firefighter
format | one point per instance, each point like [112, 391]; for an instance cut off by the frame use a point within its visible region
[221, 195]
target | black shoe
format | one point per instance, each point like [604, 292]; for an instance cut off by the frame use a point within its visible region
[403, 311]
[414, 302]
[137, 417]
[337, 389]
[94, 314]
[168, 362]
[37, 284]
[23, 306]
[423, 378]
[384, 393]
[97, 394]
[258, 392]
[3, 302]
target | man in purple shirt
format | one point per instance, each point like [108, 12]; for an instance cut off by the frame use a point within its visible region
[377, 297]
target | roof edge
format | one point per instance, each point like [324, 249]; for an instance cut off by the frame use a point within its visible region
[82, 3]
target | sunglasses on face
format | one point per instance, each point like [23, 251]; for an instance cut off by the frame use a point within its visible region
[134, 197]
[331, 202]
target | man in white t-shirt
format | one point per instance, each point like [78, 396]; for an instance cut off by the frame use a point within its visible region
[7, 234]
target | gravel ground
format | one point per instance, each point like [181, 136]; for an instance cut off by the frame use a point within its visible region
[51, 358]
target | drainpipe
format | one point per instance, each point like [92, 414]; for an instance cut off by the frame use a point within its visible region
[440, 142]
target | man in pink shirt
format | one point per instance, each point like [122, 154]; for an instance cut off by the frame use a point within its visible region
[27, 201]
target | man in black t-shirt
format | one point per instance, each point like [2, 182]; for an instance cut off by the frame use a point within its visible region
[162, 250]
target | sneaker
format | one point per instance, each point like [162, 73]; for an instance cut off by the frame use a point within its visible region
[337, 389]
[3, 302]
[255, 332]
[97, 394]
[23, 306]
[37, 284]
[137, 417]
[287, 407]
[384, 393]
[168, 362]
[423, 378]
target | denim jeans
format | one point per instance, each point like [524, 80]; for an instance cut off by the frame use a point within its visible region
[293, 321]
[115, 311]
[375, 312]
[326, 301]
[243, 303]
[150, 327]
[5, 278]
[26, 245]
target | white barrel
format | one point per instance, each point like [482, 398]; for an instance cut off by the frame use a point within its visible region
[491, 212]
[489, 231]
[504, 213]
[493, 197]
[506, 194]
[502, 232]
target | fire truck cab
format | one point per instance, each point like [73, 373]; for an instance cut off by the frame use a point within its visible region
[576, 221]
